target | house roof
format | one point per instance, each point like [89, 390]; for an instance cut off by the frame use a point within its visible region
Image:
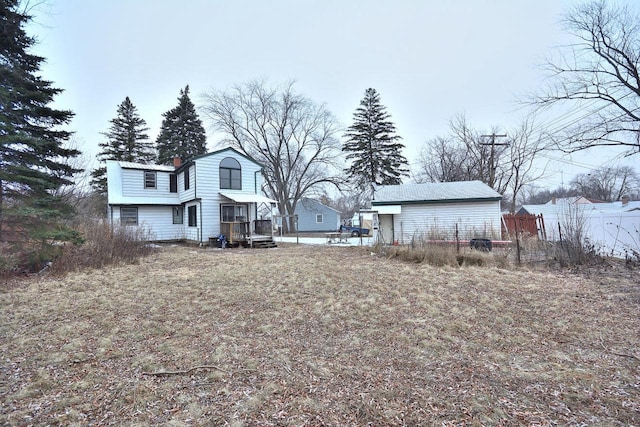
[191, 161]
[142, 166]
[306, 201]
[439, 192]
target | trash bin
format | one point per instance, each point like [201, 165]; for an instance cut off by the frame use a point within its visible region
[481, 244]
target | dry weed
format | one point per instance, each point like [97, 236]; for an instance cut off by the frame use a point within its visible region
[309, 335]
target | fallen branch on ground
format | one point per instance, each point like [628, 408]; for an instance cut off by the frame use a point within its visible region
[186, 371]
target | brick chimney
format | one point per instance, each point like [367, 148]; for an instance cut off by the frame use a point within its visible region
[177, 162]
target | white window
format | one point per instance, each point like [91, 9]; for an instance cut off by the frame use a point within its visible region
[149, 179]
[128, 216]
[319, 219]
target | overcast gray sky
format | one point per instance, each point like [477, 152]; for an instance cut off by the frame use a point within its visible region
[429, 60]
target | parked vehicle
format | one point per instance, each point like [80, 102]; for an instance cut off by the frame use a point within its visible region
[354, 230]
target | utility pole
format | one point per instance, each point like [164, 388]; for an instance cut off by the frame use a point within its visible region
[492, 166]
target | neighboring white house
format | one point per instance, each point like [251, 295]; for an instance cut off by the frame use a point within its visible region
[411, 212]
[613, 228]
[314, 216]
[216, 193]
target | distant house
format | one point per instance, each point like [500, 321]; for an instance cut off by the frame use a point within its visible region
[314, 216]
[613, 228]
[429, 211]
[216, 193]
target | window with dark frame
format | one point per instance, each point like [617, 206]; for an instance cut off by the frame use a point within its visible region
[128, 216]
[178, 215]
[173, 183]
[233, 213]
[319, 219]
[230, 174]
[193, 217]
[150, 179]
[187, 184]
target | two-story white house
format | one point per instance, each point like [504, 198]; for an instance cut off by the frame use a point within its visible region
[213, 194]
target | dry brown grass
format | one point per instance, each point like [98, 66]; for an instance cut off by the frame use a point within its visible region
[315, 335]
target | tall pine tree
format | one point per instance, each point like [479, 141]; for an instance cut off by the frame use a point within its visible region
[182, 134]
[372, 145]
[33, 157]
[127, 140]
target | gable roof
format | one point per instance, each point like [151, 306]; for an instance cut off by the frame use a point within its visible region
[213, 153]
[435, 192]
[308, 202]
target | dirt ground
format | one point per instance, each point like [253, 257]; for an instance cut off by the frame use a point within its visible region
[319, 335]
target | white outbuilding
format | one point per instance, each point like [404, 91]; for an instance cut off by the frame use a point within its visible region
[436, 211]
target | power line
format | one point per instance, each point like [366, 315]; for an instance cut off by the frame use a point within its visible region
[492, 166]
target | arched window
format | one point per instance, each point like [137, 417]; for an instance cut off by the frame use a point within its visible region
[230, 174]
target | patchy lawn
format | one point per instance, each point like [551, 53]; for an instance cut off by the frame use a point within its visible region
[314, 335]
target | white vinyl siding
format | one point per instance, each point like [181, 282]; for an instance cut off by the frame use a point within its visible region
[133, 189]
[208, 189]
[128, 216]
[178, 214]
[155, 221]
[438, 221]
[190, 194]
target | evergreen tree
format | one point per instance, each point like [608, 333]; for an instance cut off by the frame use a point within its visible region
[372, 145]
[127, 141]
[182, 134]
[33, 158]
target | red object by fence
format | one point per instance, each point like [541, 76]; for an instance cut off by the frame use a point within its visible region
[527, 224]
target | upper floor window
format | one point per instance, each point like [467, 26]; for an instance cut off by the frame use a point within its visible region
[319, 219]
[230, 174]
[173, 183]
[149, 179]
[186, 178]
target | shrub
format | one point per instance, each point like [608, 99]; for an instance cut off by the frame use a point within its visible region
[104, 245]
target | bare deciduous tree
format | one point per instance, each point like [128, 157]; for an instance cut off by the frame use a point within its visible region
[607, 184]
[465, 155]
[521, 154]
[600, 74]
[291, 136]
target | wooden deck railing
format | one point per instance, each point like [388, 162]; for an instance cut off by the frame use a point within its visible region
[235, 231]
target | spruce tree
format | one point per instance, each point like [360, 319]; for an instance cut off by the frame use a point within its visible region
[33, 158]
[127, 140]
[182, 134]
[372, 145]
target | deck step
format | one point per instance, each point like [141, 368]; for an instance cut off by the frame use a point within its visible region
[264, 244]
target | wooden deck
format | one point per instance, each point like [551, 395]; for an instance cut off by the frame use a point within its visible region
[240, 233]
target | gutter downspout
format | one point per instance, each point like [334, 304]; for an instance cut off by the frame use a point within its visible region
[201, 222]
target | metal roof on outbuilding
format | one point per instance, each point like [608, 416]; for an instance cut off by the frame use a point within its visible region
[435, 192]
